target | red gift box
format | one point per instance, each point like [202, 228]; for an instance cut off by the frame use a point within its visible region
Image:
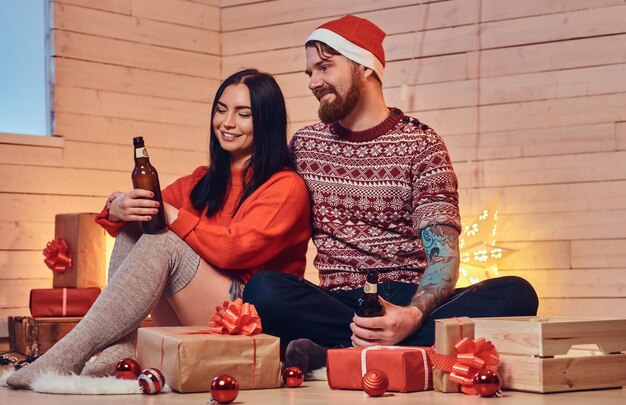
[408, 368]
[45, 302]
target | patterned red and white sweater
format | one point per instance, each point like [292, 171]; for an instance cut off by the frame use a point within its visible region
[373, 192]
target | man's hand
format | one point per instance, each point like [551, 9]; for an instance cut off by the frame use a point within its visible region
[395, 325]
[441, 244]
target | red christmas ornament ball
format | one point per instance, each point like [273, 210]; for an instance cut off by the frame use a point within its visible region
[293, 377]
[151, 381]
[486, 383]
[127, 369]
[224, 389]
[375, 383]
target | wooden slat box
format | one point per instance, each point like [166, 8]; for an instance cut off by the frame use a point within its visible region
[535, 352]
[30, 336]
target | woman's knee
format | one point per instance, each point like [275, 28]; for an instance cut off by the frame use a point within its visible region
[168, 250]
[165, 243]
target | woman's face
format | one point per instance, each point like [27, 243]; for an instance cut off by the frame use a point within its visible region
[232, 123]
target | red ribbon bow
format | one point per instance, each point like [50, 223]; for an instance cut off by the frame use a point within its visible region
[472, 357]
[57, 256]
[235, 318]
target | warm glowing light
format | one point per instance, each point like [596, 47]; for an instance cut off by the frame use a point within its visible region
[479, 251]
[472, 230]
[465, 257]
[481, 255]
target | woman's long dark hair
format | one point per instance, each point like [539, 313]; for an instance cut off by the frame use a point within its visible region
[269, 141]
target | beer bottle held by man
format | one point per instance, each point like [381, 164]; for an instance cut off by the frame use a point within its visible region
[369, 305]
[145, 177]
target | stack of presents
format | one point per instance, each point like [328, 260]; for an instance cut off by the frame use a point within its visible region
[77, 259]
[531, 354]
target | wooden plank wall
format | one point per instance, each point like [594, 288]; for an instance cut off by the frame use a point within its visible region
[530, 97]
[122, 68]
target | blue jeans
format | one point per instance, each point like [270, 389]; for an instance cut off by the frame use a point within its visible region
[293, 308]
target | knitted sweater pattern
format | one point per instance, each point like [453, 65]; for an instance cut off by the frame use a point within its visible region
[373, 192]
[270, 231]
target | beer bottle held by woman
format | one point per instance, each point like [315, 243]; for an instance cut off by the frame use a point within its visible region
[369, 305]
[145, 177]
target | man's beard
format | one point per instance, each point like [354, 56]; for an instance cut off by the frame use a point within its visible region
[342, 105]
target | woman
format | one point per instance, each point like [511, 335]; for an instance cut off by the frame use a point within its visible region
[246, 212]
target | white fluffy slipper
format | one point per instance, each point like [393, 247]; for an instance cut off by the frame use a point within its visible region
[75, 384]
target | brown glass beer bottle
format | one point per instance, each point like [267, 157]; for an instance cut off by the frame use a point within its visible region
[369, 305]
[146, 177]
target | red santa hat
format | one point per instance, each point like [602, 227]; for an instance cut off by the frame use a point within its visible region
[355, 38]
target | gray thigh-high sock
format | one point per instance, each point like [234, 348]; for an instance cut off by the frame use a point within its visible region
[105, 362]
[124, 303]
[125, 241]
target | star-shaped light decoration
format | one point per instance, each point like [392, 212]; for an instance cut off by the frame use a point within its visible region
[479, 252]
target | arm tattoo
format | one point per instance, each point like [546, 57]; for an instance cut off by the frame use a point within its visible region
[441, 243]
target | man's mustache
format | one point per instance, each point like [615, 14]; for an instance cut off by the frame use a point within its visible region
[319, 93]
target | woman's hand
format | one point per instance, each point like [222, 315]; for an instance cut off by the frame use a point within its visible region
[134, 205]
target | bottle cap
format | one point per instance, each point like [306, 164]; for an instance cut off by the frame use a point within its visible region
[138, 141]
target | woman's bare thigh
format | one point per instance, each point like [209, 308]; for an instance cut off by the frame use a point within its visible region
[196, 302]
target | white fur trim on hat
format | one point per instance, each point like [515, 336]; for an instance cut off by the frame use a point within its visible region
[348, 49]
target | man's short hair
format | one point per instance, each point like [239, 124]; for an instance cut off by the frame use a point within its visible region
[325, 51]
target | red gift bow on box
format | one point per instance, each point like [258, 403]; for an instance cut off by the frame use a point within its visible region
[57, 256]
[472, 356]
[235, 318]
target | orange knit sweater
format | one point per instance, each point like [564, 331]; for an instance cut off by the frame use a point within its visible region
[270, 231]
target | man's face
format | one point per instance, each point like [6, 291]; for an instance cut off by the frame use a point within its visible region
[336, 82]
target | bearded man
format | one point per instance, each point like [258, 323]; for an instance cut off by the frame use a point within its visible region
[385, 198]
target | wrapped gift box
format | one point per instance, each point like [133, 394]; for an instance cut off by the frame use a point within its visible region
[46, 302]
[542, 355]
[190, 360]
[87, 244]
[408, 368]
[448, 332]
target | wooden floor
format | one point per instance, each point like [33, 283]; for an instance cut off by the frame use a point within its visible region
[317, 392]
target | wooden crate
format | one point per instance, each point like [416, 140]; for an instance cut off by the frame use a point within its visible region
[30, 336]
[537, 354]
